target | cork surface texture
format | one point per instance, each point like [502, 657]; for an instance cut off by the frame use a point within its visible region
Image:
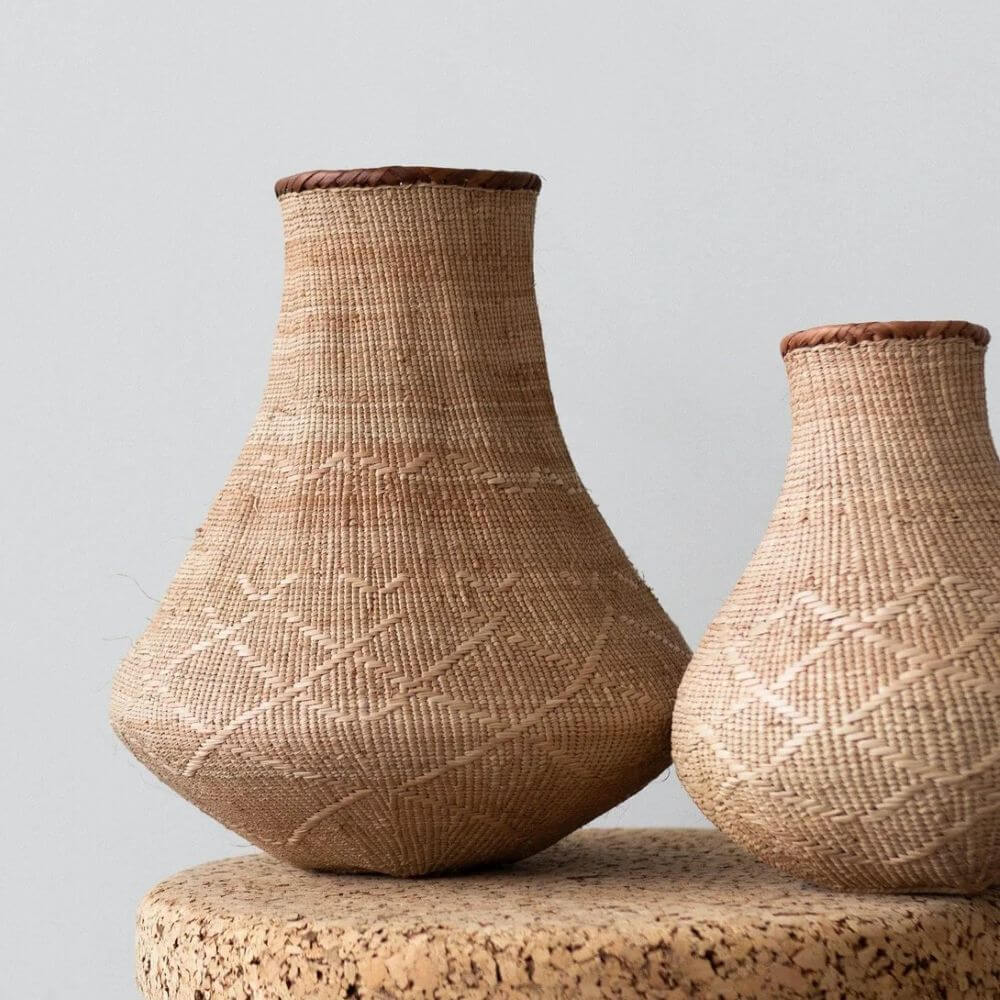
[603, 913]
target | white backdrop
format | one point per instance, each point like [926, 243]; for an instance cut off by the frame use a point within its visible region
[716, 175]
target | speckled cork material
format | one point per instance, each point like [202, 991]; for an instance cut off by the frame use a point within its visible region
[604, 913]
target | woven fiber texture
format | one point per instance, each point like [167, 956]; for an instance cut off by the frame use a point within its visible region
[632, 914]
[840, 716]
[404, 640]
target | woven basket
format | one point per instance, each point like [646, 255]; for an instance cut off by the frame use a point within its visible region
[841, 717]
[404, 640]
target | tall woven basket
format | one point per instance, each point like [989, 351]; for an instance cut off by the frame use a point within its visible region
[404, 640]
[841, 717]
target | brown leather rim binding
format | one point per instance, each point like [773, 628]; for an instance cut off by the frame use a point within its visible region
[856, 333]
[370, 177]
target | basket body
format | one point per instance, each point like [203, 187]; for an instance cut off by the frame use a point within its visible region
[404, 639]
[841, 716]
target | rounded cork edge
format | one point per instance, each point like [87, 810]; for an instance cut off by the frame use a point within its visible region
[372, 177]
[857, 333]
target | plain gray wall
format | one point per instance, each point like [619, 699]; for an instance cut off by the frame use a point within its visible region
[716, 175]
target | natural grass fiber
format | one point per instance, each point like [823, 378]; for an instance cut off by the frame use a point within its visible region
[839, 718]
[404, 640]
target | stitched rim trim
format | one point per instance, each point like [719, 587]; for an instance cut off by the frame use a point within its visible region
[856, 333]
[370, 177]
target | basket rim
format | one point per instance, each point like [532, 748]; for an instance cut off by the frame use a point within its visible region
[399, 176]
[857, 333]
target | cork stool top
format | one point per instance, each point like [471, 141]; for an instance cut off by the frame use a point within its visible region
[604, 913]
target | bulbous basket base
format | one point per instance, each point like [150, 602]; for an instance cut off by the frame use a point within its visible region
[949, 872]
[407, 836]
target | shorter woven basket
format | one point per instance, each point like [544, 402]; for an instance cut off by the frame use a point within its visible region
[841, 716]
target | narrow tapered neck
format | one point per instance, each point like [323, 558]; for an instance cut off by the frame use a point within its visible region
[895, 415]
[406, 255]
[412, 304]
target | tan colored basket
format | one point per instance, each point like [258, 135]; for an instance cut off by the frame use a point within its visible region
[404, 640]
[841, 717]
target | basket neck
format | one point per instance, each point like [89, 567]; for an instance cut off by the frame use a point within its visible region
[412, 308]
[389, 250]
[895, 416]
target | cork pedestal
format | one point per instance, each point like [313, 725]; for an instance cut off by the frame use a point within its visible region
[604, 913]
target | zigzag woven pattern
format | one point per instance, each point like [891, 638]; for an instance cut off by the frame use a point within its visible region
[404, 640]
[841, 717]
